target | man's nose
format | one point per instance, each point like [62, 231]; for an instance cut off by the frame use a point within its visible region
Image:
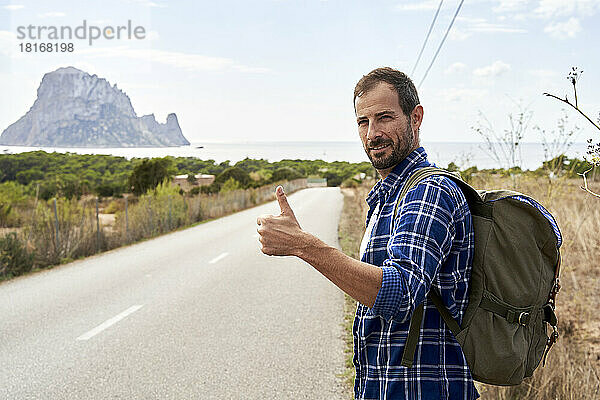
[373, 131]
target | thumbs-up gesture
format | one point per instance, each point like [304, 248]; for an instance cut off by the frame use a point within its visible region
[280, 235]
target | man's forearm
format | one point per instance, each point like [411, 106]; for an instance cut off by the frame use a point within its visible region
[360, 280]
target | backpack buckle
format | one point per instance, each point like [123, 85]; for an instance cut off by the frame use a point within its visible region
[551, 340]
[523, 318]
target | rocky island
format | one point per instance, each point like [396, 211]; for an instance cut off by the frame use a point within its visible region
[76, 109]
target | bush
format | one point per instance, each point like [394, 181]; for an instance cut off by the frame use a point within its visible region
[14, 257]
[149, 174]
[230, 185]
[214, 187]
[236, 173]
[113, 207]
[13, 201]
[76, 227]
[468, 173]
[105, 190]
[191, 178]
[333, 179]
[157, 211]
[350, 183]
[285, 174]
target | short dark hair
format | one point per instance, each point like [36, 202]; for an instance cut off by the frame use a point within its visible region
[404, 86]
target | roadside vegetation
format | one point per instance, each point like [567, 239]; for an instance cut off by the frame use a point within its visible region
[350, 231]
[572, 370]
[72, 175]
[55, 208]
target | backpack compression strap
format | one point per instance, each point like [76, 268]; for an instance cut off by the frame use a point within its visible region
[417, 318]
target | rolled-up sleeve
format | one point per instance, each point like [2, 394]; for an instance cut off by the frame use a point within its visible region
[421, 241]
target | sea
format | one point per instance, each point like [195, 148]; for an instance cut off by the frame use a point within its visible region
[463, 154]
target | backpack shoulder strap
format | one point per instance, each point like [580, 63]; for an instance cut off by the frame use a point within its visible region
[415, 322]
[421, 174]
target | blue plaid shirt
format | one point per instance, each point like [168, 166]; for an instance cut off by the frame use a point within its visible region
[429, 245]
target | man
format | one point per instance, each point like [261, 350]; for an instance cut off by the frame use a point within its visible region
[427, 246]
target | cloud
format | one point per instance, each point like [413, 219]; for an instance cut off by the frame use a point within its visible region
[481, 25]
[509, 6]
[459, 34]
[493, 70]
[488, 27]
[519, 17]
[149, 3]
[562, 30]
[52, 14]
[418, 5]
[543, 73]
[561, 8]
[153, 4]
[186, 61]
[470, 26]
[455, 68]
[461, 94]
[13, 7]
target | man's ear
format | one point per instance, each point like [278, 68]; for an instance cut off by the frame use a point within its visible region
[416, 117]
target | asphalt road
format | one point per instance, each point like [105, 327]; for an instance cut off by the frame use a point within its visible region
[195, 314]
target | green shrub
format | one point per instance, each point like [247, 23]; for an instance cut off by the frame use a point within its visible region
[230, 185]
[105, 190]
[113, 207]
[148, 174]
[285, 174]
[214, 187]
[236, 173]
[191, 178]
[350, 183]
[76, 231]
[333, 179]
[14, 257]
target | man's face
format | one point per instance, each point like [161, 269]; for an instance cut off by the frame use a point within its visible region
[386, 133]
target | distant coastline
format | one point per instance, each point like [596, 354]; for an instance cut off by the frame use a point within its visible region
[463, 154]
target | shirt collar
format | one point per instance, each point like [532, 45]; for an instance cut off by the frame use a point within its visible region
[397, 176]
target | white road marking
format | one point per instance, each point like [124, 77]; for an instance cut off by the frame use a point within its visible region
[218, 258]
[109, 322]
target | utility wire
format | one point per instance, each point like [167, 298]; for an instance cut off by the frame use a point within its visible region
[442, 42]
[427, 37]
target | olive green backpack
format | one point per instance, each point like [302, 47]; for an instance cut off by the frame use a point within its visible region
[512, 288]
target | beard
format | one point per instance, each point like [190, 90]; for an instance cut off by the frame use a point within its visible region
[399, 152]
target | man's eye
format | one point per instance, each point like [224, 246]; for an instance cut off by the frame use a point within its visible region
[362, 122]
[385, 117]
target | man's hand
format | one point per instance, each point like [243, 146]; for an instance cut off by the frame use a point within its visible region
[280, 235]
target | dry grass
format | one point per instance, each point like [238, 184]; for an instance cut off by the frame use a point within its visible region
[350, 231]
[155, 213]
[572, 370]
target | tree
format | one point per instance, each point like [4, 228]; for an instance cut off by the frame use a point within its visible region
[230, 185]
[191, 178]
[333, 179]
[285, 173]
[236, 173]
[148, 174]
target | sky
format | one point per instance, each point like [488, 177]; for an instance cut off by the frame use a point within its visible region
[284, 70]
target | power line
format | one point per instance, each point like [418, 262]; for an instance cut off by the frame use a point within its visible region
[427, 37]
[442, 42]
